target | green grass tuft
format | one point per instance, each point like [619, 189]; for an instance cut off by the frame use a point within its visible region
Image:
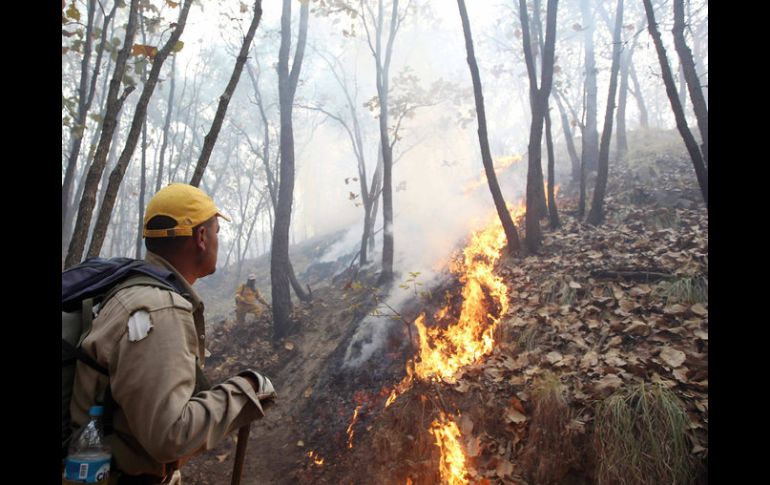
[640, 438]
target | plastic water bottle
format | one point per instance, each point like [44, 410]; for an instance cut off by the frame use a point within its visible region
[88, 459]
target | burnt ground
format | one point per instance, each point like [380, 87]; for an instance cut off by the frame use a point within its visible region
[596, 309]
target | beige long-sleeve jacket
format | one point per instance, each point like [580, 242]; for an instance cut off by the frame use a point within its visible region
[160, 419]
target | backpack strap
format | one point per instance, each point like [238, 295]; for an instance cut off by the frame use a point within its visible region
[137, 280]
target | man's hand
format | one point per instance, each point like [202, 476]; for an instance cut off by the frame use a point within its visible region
[263, 388]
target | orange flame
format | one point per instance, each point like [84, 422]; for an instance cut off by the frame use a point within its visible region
[452, 464]
[315, 457]
[352, 423]
[444, 352]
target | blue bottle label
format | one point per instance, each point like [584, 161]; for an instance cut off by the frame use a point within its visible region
[87, 471]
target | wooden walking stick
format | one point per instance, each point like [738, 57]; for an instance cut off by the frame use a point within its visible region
[240, 454]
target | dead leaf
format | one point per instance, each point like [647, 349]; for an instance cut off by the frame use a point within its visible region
[514, 416]
[288, 346]
[615, 361]
[609, 381]
[592, 323]
[638, 328]
[681, 374]
[466, 425]
[462, 386]
[699, 309]
[575, 285]
[300, 443]
[615, 341]
[494, 374]
[308, 392]
[674, 310]
[144, 50]
[697, 449]
[223, 457]
[703, 335]
[504, 468]
[244, 7]
[472, 446]
[554, 357]
[590, 359]
[516, 403]
[628, 305]
[640, 290]
[672, 357]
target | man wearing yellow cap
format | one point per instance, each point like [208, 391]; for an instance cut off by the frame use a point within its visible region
[152, 342]
[246, 297]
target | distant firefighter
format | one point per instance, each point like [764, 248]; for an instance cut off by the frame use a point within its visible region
[246, 298]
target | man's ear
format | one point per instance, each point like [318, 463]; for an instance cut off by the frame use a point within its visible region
[199, 238]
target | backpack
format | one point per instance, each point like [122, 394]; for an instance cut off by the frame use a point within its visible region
[84, 286]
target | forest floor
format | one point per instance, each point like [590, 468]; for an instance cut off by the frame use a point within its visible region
[598, 312]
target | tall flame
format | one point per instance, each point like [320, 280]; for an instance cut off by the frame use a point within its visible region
[444, 352]
[452, 467]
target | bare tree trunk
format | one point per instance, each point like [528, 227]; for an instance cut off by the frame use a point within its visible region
[383, 82]
[71, 215]
[224, 100]
[166, 125]
[622, 141]
[687, 65]
[542, 203]
[565, 126]
[142, 183]
[116, 177]
[509, 227]
[539, 103]
[682, 88]
[553, 212]
[287, 85]
[701, 172]
[596, 215]
[84, 105]
[590, 133]
[376, 192]
[370, 212]
[114, 103]
[644, 119]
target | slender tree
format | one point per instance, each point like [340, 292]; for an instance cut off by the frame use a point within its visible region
[539, 105]
[374, 26]
[114, 103]
[590, 151]
[570, 142]
[166, 125]
[553, 213]
[693, 80]
[511, 234]
[596, 215]
[701, 172]
[224, 101]
[116, 177]
[644, 118]
[287, 87]
[84, 105]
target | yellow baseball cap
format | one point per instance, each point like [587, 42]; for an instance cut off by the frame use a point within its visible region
[189, 206]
